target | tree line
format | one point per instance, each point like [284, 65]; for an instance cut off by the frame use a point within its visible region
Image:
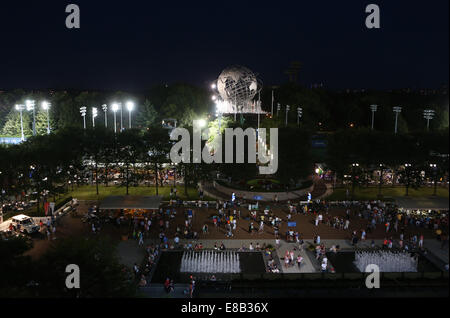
[323, 110]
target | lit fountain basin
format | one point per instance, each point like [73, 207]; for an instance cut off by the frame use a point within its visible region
[387, 261]
[226, 265]
[210, 262]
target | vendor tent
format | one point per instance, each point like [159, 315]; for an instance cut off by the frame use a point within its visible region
[424, 203]
[131, 202]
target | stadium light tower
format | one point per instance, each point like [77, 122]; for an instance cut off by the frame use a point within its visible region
[299, 115]
[397, 110]
[105, 110]
[428, 114]
[46, 107]
[121, 116]
[115, 108]
[20, 109]
[130, 107]
[30, 107]
[373, 108]
[83, 114]
[94, 114]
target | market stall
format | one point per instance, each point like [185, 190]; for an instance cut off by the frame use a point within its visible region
[131, 205]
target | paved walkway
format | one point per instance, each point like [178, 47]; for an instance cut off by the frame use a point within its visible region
[158, 291]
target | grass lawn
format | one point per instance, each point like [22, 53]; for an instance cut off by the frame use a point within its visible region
[371, 193]
[89, 192]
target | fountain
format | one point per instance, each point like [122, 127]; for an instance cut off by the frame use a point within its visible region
[210, 262]
[387, 261]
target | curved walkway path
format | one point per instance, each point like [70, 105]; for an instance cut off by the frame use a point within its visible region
[320, 190]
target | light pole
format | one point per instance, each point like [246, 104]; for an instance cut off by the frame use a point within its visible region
[94, 114]
[83, 114]
[175, 175]
[30, 107]
[397, 110]
[121, 116]
[354, 166]
[115, 108]
[105, 110]
[373, 108]
[20, 109]
[130, 107]
[287, 111]
[46, 107]
[381, 180]
[433, 167]
[218, 112]
[273, 99]
[428, 114]
[299, 115]
[407, 175]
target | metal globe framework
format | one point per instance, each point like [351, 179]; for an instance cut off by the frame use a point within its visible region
[237, 86]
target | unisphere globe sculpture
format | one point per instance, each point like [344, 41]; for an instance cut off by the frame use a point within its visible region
[237, 86]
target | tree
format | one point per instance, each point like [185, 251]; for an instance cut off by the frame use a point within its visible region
[147, 115]
[42, 123]
[12, 125]
[130, 144]
[101, 274]
[16, 269]
[410, 176]
[157, 146]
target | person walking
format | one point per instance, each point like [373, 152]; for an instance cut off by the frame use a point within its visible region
[141, 238]
[421, 241]
[299, 261]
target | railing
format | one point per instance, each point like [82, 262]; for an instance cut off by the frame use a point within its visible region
[336, 276]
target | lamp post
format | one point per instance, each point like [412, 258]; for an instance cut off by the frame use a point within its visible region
[299, 115]
[83, 114]
[354, 166]
[105, 110]
[130, 107]
[428, 114]
[94, 114]
[175, 175]
[115, 108]
[218, 112]
[397, 110]
[46, 107]
[407, 175]
[271, 109]
[30, 107]
[373, 108]
[381, 180]
[287, 111]
[434, 169]
[20, 109]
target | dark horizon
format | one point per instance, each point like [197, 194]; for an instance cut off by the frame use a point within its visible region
[133, 47]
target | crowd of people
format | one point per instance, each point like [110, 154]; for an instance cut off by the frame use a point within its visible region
[142, 272]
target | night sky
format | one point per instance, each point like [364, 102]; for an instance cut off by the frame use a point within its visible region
[130, 45]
